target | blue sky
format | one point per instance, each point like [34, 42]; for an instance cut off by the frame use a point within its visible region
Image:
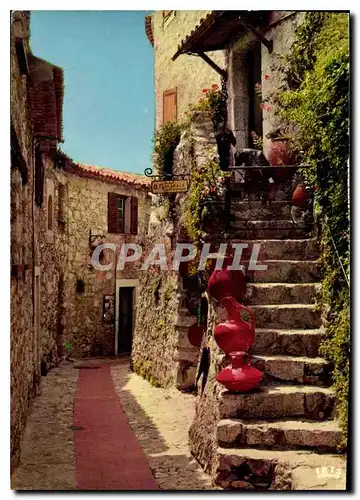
[109, 85]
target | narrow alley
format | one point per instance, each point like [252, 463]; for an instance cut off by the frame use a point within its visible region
[98, 426]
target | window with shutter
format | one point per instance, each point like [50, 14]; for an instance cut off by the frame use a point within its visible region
[170, 105]
[116, 213]
[134, 215]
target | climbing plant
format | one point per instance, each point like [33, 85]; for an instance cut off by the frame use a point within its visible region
[315, 101]
[201, 209]
[213, 102]
[165, 140]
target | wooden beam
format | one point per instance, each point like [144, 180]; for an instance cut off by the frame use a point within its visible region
[214, 66]
[268, 43]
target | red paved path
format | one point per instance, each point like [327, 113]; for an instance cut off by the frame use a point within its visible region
[108, 456]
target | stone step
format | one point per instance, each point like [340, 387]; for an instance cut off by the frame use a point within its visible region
[280, 249]
[275, 400]
[281, 293]
[291, 342]
[276, 232]
[314, 371]
[295, 316]
[257, 210]
[259, 469]
[279, 434]
[267, 224]
[283, 271]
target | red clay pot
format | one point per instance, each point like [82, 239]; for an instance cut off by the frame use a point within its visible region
[225, 283]
[195, 334]
[299, 196]
[235, 334]
[239, 376]
[278, 154]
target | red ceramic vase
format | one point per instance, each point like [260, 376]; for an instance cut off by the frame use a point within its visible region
[225, 283]
[235, 334]
[239, 376]
[299, 196]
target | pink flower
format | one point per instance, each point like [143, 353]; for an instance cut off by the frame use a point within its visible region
[268, 108]
[267, 77]
[262, 105]
[214, 86]
[205, 91]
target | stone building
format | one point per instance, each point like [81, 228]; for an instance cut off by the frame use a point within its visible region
[275, 437]
[60, 211]
[101, 206]
[36, 130]
[179, 82]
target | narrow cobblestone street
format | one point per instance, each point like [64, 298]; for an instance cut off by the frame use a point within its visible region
[77, 435]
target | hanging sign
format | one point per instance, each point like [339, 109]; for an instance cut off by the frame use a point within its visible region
[173, 186]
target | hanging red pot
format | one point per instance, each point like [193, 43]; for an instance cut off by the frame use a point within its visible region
[299, 196]
[195, 334]
[239, 376]
[235, 334]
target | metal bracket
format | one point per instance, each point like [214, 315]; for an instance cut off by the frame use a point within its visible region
[149, 173]
[222, 72]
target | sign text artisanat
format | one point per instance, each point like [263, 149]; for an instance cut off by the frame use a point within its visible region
[176, 186]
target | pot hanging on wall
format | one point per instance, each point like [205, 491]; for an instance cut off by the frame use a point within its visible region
[195, 334]
[299, 196]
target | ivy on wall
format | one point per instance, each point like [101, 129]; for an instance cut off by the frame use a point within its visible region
[315, 102]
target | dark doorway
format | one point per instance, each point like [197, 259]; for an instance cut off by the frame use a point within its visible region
[126, 323]
[255, 100]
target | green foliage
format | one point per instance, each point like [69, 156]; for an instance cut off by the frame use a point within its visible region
[206, 188]
[167, 292]
[166, 138]
[213, 102]
[315, 102]
[144, 370]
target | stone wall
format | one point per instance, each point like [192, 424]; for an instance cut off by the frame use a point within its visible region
[24, 372]
[162, 351]
[188, 74]
[33, 335]
[87, 210]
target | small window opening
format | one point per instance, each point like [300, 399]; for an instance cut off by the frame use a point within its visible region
[80, 287]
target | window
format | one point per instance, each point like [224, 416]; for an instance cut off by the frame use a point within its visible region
[21, 56]
[170, 105]
[39, 179]
[80, 287]
[50, 213]
[17, 160]
[122, 214]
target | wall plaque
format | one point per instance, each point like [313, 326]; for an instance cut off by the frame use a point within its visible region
[173, 186]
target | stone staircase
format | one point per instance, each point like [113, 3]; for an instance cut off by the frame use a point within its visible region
[283, 434]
